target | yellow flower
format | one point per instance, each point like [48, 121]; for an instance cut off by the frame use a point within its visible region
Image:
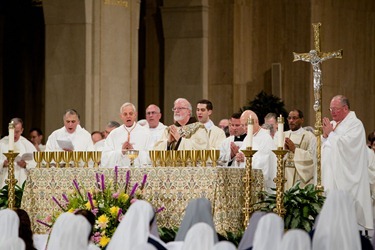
[123, 197]
[88, 205]
[71, 210]
[103, 221]
[114, 211]
[104, 241]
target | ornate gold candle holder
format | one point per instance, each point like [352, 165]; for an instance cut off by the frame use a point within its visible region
[86, 156]
[248, 179]
[11, 181]
[154, 156]
[38, 158]
[57, 155]
[96, 156]
[76, 157]
[214, 156]
[280, 181]
[203, 155]
[47, 156]
[67, 157]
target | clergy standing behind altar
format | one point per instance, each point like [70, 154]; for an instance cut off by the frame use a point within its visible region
[345, 157]
[261, 141]
[71, 137]
[23, 162]
[231, 145]
[216, 135]
[111, 125]
[186, 133]
[301, 158]
[156, 128]
[126, 137]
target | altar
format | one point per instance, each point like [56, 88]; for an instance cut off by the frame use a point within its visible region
[171, 187]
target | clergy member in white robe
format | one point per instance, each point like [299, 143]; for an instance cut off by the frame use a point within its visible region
[23, 162]
[345, 158]
[301, 158]
[186, 133]
[264, 158]
[128, 136]
[156, 128]
[110, 126]
[232, 144]
[216, 135]
[71, 137]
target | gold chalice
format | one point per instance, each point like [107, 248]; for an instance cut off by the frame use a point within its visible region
[194, 155]
[203, 154]
[76, 157]
[96, 157]
[132, 154]
[163, 157]
[38, 158]
[183, 155]
[57, 157]
[173, 154]
[67, 157]
[86, 156]
[214, 156]
[47, 156]
[154, 156]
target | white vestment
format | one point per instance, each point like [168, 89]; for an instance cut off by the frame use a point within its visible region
[155, 134]
[345, 165]
[264, 158]
[216, 135]
[21, 146]
[99, 145]
[112, 152]
[80, 138]
[194, 137]
[300, 165]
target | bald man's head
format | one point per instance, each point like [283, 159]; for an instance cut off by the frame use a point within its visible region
[245, 117]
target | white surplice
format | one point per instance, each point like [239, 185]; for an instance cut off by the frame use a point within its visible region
[216, 135]
[112, 152]
[155, 134]
[264, 158]
[21, 146]
[345, 165]
[80, 138]
[300, 166]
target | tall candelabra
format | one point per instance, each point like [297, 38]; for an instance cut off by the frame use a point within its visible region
[11, 181]
[280, 181]
[248, 179]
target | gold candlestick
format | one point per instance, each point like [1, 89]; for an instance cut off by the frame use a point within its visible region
[280, 181]
[247, 179]
[11, 181]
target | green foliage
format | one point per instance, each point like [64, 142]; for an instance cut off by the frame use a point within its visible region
[302, 206]
[18, 196]
[264, 103]
[167, 234]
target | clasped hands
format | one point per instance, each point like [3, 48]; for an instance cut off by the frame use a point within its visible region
[174, 135]
[126, 146]
[327, 127]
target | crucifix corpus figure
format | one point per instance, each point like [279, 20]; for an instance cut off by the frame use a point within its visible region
[316, 57]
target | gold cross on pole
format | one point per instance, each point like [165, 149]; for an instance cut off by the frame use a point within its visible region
[316, 57]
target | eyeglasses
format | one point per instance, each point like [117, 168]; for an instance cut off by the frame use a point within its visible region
[152, 113]
[178, 109]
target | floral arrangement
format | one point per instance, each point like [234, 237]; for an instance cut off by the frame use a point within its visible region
[107, 201]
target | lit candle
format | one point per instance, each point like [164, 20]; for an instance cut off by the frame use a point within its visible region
[280, 131]
[11, 137]
[250, 131]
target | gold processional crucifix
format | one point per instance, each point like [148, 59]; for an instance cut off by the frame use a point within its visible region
[316, 57]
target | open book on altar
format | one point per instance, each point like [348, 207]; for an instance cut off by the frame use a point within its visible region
[65, 144]
[25, 157]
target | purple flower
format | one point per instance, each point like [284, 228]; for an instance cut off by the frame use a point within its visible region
[58, 203]
[160, 209]
[95, 211]
[103, 184]
[97, 180]
[115, 195]
[77, 187]
[43, 223]
[116, 177]
[119, 214]
[127, 180]
[143, 181]
[65, 198]
[134, 189]
[90, 200]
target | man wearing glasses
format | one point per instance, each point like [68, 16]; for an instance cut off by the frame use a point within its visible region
[345, 157]
[186, 133]
[301, 158]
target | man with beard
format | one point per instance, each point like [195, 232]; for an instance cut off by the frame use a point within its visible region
[186, 133]
[301, 158]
